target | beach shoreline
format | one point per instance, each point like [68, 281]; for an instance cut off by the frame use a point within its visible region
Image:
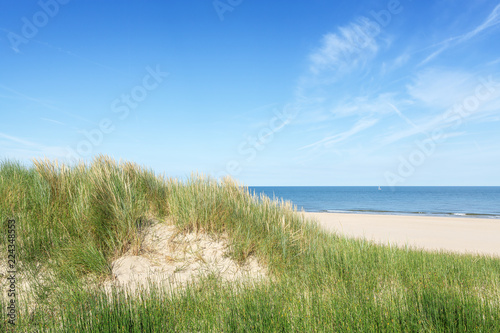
[455, 234]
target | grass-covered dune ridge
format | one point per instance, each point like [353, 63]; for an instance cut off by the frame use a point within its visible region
[85, 215]
[74, 220]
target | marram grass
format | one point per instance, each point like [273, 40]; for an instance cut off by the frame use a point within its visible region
[73, 221]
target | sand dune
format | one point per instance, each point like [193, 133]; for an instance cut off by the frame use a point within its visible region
[170, 258]
[463, 235]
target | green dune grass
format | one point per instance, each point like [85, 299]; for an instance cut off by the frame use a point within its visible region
[73, 221]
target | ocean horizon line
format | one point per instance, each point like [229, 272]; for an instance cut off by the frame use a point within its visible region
[447, 201]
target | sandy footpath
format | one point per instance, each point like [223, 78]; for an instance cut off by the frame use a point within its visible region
[464, 235]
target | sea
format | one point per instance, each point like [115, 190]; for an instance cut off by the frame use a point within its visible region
[456, 201]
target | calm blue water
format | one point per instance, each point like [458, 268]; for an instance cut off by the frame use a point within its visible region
[469, 201]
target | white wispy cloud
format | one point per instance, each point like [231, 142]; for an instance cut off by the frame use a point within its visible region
[22, 148]
[365, 105]
[351, 46]
[329, 141]
[53, 121]
[405, 118]
[43, 103]
[423, 127]
[420, 101]
[440, 88]
[443, 95]
[401, 60]
[393, 64]
[19, 140]
[494, 62]
[493, 19]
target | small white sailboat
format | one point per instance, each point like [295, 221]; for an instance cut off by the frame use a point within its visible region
[379, 188]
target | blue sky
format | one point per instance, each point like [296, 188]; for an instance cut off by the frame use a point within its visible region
[316, 92]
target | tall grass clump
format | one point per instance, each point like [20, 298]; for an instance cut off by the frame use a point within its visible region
[73, 221]
[271, 230]
[79, 217]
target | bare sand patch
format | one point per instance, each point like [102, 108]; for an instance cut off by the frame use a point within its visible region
[172, 259]
[461, 235]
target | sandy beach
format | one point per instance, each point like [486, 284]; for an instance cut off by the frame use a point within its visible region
[463, 235]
